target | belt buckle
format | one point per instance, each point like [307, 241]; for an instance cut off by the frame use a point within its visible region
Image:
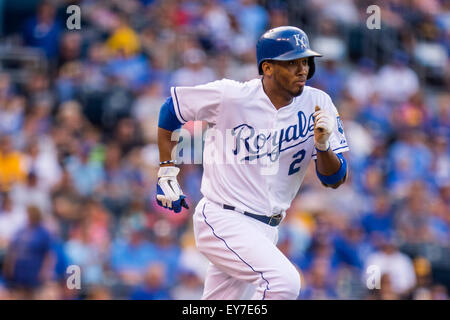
[277, 216]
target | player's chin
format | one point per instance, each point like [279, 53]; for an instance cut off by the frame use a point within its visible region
[298, 85]
[297, 90]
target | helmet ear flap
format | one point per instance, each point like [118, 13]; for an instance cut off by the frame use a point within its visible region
[312, 68]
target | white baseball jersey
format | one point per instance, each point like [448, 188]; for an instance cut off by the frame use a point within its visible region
[265, 151]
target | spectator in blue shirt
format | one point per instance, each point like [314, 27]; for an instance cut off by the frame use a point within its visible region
[130, 257]
[167, 248]
[410, 159]
[86, 175]
[380, 219]
[352, 246]
[331, 78]
[43, 30]
[28, 259]
[318, 283]
[253, 18]
[153, 287]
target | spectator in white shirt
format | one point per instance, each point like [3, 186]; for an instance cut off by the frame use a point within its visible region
[396, 264]
[360, 84]
[396, 81]
[12, 218]
[195, 71]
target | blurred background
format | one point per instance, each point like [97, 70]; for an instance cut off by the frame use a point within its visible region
[78, 153]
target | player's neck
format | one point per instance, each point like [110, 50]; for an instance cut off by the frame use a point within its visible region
[278, 98]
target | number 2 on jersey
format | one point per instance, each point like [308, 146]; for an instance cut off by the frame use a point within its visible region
[292, 168]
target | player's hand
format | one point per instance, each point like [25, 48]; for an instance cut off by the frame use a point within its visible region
[323, 127]
[168, 191]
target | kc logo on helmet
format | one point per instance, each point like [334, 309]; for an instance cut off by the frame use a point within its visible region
[300, 41]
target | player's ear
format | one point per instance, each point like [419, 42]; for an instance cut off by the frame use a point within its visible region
[267, 68]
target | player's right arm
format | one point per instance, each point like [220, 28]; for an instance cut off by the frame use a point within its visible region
[168, 192]
[167, 124]
[185, 104]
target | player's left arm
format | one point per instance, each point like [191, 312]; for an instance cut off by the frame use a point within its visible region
[331, 167]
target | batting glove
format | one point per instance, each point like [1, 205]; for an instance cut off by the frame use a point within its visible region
[323, 127]
[168, 191]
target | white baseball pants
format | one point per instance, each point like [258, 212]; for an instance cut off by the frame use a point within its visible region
[243, 256]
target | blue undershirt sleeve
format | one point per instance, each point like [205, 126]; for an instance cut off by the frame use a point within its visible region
[336, 177]
[167, 117]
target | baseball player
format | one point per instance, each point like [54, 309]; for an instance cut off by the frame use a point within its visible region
[278, 119]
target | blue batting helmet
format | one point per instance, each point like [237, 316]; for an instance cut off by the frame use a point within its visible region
[283, 44]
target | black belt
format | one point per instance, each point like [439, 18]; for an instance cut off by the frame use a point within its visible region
[271, 221]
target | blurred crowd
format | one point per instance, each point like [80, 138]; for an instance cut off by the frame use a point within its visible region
[79, 159]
